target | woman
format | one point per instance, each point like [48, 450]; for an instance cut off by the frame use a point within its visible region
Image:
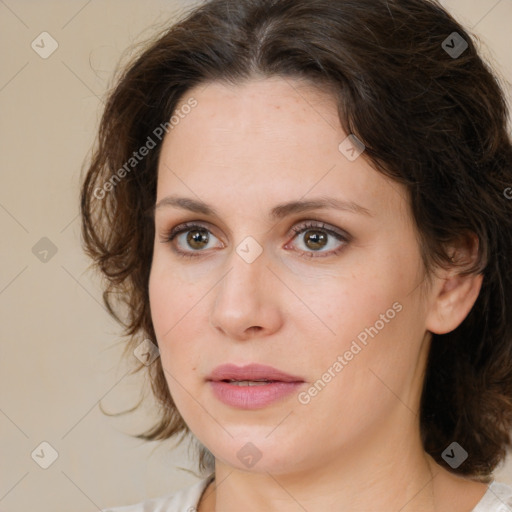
[302, 204]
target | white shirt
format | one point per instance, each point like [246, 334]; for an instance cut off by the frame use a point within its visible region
[498, 498]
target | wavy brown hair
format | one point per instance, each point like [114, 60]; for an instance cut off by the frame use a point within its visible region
[431, 120]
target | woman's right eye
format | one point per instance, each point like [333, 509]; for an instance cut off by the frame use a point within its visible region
[195, 237]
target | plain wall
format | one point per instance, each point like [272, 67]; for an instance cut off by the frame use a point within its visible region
[60, 351]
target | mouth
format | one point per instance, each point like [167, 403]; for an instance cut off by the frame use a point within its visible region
[253, 386]
[248, 382]
[250, 375]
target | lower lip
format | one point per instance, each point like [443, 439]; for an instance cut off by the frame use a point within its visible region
[252, 397]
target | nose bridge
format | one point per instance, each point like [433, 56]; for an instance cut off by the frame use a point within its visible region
[247, 269]
[244, 296]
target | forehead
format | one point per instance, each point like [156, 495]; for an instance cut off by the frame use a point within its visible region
[264, 138]
[264, 109]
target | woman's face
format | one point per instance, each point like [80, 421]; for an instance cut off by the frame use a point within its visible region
[260, 274]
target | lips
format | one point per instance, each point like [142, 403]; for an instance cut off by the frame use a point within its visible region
[254, 386]
[251, 372]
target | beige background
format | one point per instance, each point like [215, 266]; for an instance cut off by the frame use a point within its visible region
[60, 354]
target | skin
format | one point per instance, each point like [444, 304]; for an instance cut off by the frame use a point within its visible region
[355, 446]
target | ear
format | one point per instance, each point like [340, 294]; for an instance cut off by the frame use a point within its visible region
[453, 295]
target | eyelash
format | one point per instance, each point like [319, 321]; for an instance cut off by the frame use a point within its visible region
[297, 230]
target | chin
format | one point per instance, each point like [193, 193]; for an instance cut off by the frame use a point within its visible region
[255, 451]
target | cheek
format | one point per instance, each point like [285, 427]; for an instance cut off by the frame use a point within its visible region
[171, 294]
[162, 302]
[170, 305]
[366, 372]
[170, 321]
[179, 319]
[349, 303]
[373, 319]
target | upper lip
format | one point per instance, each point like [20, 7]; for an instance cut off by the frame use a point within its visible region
[251, 372]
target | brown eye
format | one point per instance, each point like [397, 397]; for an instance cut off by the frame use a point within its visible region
[197, 238]
[315, 240]
[190, 240]
[318, 238]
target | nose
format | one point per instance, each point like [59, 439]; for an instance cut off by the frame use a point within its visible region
[246, 303]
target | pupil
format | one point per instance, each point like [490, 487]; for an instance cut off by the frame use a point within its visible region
[318, 239]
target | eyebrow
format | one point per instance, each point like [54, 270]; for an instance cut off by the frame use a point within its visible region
[278, 212]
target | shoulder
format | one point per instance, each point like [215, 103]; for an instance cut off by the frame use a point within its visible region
[185, 500]
[498, 498]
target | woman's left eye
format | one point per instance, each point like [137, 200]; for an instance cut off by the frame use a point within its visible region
[318, 238]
